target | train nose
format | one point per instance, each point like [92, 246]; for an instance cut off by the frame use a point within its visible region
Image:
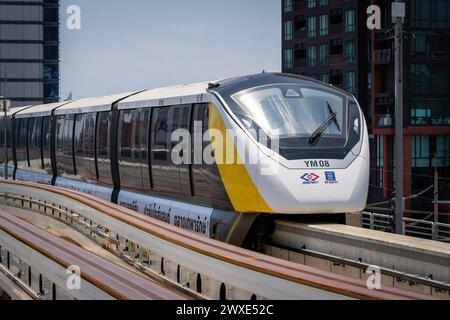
[321, 191]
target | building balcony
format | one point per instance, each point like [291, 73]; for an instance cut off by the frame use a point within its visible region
[431, 55]
[336, 28]
[380, 35]
[384, 121]
[383, 57]
[300, 63]
[336, 59]
[435, 120]
[384, 99]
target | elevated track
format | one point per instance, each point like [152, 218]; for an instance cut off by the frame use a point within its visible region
[188, 261]
[100, 278]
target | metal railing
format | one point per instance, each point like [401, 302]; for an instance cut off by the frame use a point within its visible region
[414, 227]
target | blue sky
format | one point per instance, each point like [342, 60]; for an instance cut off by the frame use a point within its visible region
[140, 44]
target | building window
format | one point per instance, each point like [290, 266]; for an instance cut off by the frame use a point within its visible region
[323, 21]
[380, 161]
[430, 78]
[311, 3]
[51, 15]
[51, 72]
[350, 51]
[51, 91]
[442, 157]
[324, 77]
[336, 16]
[288, 63]
[51, 52]
[429, 111]
[430, 13]
[300, 23]
[350, 20]
[311, 27]
[288, 30]
[336, 47]
[51, 33]
[324, 54]
[350, 81]
[312, 56]
[323, 2]
[287, 5]
[336, 77]
[420, 151]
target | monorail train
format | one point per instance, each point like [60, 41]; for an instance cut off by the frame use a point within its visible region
[121, 148]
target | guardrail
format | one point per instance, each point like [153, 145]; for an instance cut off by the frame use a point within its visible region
[420, 228]
[213, 269]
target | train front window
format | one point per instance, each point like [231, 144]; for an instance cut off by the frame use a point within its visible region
[291, 111]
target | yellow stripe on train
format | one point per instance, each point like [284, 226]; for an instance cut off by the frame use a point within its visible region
[241, 189]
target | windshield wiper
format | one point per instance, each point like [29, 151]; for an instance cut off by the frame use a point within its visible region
[331, 119]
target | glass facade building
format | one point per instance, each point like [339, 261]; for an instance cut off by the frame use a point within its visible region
[361, 61]
[29, 51]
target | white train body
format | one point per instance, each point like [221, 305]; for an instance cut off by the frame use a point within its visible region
[314, 157]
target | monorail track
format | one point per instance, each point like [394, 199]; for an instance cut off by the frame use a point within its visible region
[267, 276]
[114, 280]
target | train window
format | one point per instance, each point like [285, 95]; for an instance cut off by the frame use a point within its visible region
[59, 150]
[129, 144]
[81, 163]
[103, 148]
[64, 145]
[164, 177]
[206, 180]
[185, 176]
[133, 149]
[161, 128]
[46, 150]
[21, 143]
[167, 176]
[84, 140]
[89, 146]
[146, 114]
[34, 143]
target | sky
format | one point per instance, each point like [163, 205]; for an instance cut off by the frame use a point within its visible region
[141, 44]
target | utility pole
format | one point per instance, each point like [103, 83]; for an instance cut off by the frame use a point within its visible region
[398, 16]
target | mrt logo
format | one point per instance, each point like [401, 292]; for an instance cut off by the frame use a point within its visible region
[310, 178]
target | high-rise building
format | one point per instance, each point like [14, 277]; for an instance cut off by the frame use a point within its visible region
[329, 40]
[29, 51]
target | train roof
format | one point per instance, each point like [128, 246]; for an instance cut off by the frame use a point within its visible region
[14, 110]
[42, 110]
[88, 105]
[167, 96]
[182, 94]
[237, 84]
